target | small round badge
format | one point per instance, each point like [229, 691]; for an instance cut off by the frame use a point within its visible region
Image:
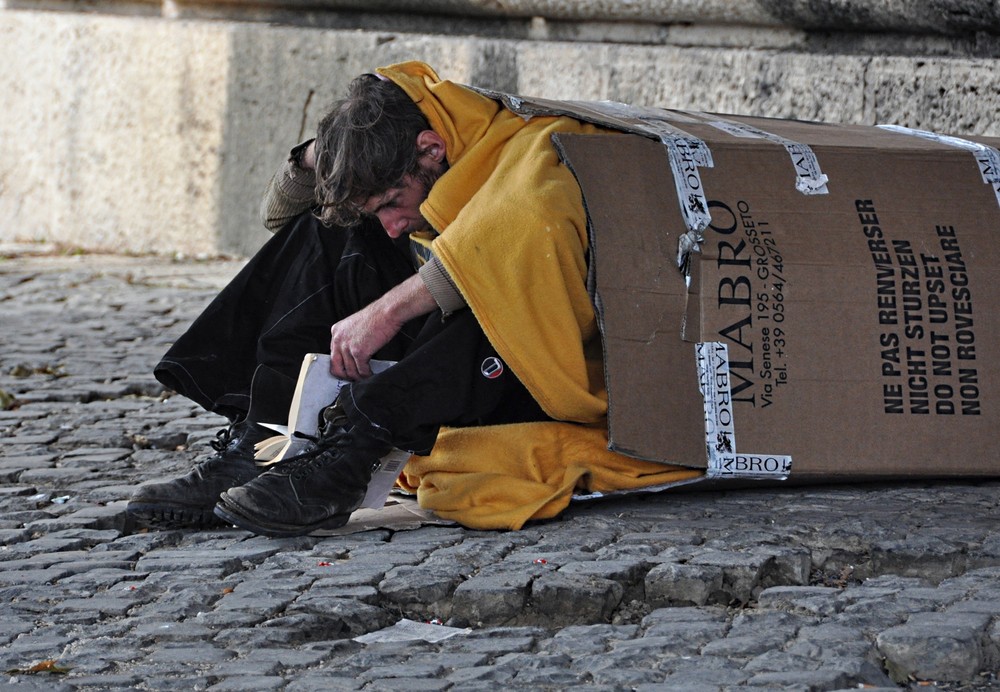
[492, 368]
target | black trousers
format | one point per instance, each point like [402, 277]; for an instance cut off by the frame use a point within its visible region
[241, 356]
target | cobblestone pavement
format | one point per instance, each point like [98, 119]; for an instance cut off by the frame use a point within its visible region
[802, 589]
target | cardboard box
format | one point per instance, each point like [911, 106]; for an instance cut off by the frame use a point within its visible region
[838, 316]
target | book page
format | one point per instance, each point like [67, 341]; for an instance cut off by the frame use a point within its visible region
[316, 389]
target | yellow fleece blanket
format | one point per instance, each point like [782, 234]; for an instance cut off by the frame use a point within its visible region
[513, 237]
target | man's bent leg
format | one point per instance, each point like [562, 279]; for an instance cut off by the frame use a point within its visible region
[278, 308]
[241, 357]
[452, 377]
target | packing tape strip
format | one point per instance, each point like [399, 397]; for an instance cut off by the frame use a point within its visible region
[686, 154]
[712, 358]
[809, 178]
[986, 156]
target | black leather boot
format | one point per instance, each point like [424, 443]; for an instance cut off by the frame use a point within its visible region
[317, 489]
[187, 502]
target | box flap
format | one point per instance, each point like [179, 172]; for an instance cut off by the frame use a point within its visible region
[641, 295]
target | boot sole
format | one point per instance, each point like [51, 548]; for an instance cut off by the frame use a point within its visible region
[234, 516]
[173, 517]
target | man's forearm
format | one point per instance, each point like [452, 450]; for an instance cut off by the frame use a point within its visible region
[355, 339]
[406, 301]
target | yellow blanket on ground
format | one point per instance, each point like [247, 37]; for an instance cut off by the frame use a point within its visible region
[514, 240]
[500, 476]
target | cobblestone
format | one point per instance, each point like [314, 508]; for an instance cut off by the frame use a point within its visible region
[825, 588]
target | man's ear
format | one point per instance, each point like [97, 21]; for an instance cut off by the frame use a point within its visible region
[430, 143]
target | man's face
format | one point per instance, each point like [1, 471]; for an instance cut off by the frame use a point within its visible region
[398, 208]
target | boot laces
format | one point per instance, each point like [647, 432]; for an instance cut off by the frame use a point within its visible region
[303, 463]
[222, 439]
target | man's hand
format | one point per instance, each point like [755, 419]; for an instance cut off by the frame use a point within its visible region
[355, 339]
[308, 158]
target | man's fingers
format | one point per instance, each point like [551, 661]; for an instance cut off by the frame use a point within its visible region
[346, 366]
[336, 364]
[357, 367]
[363, 368]
[349, 354]
[350, 367]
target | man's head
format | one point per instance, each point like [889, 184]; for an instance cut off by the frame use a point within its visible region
[376, 154]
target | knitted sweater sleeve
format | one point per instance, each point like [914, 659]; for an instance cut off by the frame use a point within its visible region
[290, 192]
[437, 281]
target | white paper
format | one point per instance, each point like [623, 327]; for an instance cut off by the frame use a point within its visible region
[411, 630]
[384, 479]
[398, 514]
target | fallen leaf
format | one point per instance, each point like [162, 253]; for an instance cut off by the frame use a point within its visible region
[7, 401]
[50, 666]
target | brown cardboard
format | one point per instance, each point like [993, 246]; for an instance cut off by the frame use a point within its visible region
[861, 321]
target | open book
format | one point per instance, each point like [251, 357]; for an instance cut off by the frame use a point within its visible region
[315, 390]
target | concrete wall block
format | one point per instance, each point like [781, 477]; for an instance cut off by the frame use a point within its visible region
[936, 16]
[949, 95]
[113, 141]
[159, 135]
[767, 83]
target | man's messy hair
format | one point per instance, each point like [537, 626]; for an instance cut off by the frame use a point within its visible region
[364, 147]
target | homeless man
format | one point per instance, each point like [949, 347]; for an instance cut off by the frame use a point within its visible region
[498, 389]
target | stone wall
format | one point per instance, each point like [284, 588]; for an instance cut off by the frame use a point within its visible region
[148, 127]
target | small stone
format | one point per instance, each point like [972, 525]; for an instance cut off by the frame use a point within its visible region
[491, 599]
[672, 584]
[594, 599]
[936, 646]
